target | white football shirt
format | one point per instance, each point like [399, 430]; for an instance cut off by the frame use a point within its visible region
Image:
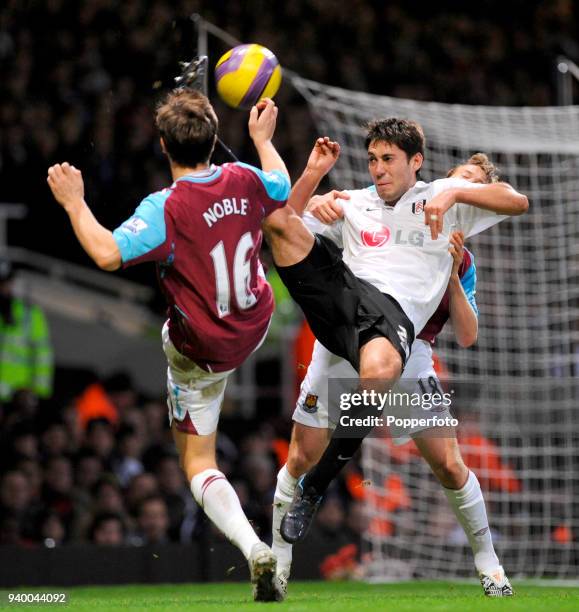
[390, 247]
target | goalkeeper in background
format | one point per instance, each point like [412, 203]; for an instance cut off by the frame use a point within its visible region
[312, 428]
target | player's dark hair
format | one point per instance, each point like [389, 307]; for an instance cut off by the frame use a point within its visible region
[188, 126]
[406, 135]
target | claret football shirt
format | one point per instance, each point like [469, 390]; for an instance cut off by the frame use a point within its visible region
[204, 233]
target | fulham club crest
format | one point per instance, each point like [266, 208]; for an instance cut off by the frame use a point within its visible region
[418, 207]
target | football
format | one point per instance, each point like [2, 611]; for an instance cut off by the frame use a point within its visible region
[246, 74]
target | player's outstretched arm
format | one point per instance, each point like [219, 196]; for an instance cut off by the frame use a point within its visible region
[462, 315]
[500, 198]
[67, 186]
[321, 160]
[262, 122]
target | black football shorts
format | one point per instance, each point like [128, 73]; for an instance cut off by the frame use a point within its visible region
[344, 312]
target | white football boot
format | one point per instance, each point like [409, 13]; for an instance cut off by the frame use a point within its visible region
[262, 567]
[496, 583]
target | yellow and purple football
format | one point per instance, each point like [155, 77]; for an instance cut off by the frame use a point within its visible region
[246, 74]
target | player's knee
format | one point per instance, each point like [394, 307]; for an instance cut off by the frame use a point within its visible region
[451, 472]
[382, 370]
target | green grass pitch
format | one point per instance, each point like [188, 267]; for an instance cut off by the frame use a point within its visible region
[315, 596]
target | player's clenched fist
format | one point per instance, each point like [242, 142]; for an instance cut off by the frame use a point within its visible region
[262, 120]
[327, 207]
[66, 184]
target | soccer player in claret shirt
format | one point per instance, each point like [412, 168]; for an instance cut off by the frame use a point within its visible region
[313, 423]
[204, 232]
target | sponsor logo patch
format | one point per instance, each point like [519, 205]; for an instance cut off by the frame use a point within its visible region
[376, 237]
[310, 404]
[135, 225]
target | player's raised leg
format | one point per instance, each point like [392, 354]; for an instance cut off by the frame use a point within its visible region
[465, 497]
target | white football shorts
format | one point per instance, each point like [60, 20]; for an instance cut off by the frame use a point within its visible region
[194, 396]
[312, 404]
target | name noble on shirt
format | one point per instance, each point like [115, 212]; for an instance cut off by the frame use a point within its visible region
[227, 206]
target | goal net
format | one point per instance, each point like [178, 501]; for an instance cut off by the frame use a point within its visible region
[519, 422]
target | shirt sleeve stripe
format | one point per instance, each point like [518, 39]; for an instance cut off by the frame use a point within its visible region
[145, 230]
[277, 184]
[468, 282]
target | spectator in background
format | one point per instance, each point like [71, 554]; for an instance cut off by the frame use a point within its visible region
[100, 439]
[57, 494]
[23, 408]
[93, 404]
[174, 490]
[155, 415]
[105, 497]
[33, 472]
[258, 470]
[10, 531]
[21, 440]
[107, 529]
[52, 531]
[153, 521]
[127, 462]
[26, 360]
[54, 440]
[88, 470]
[140, 488]
[18, 514]
[121, 391]
[108, 496]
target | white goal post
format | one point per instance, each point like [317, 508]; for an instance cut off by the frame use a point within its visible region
[522, 433]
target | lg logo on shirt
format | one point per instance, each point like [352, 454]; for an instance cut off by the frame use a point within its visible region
[379, 235]
[376, 237]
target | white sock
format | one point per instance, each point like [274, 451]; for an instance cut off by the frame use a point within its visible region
[218, 499]
[469, 507]
[284, 493]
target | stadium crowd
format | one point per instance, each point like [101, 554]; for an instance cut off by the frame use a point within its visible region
[80, 79]
[100, 466]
